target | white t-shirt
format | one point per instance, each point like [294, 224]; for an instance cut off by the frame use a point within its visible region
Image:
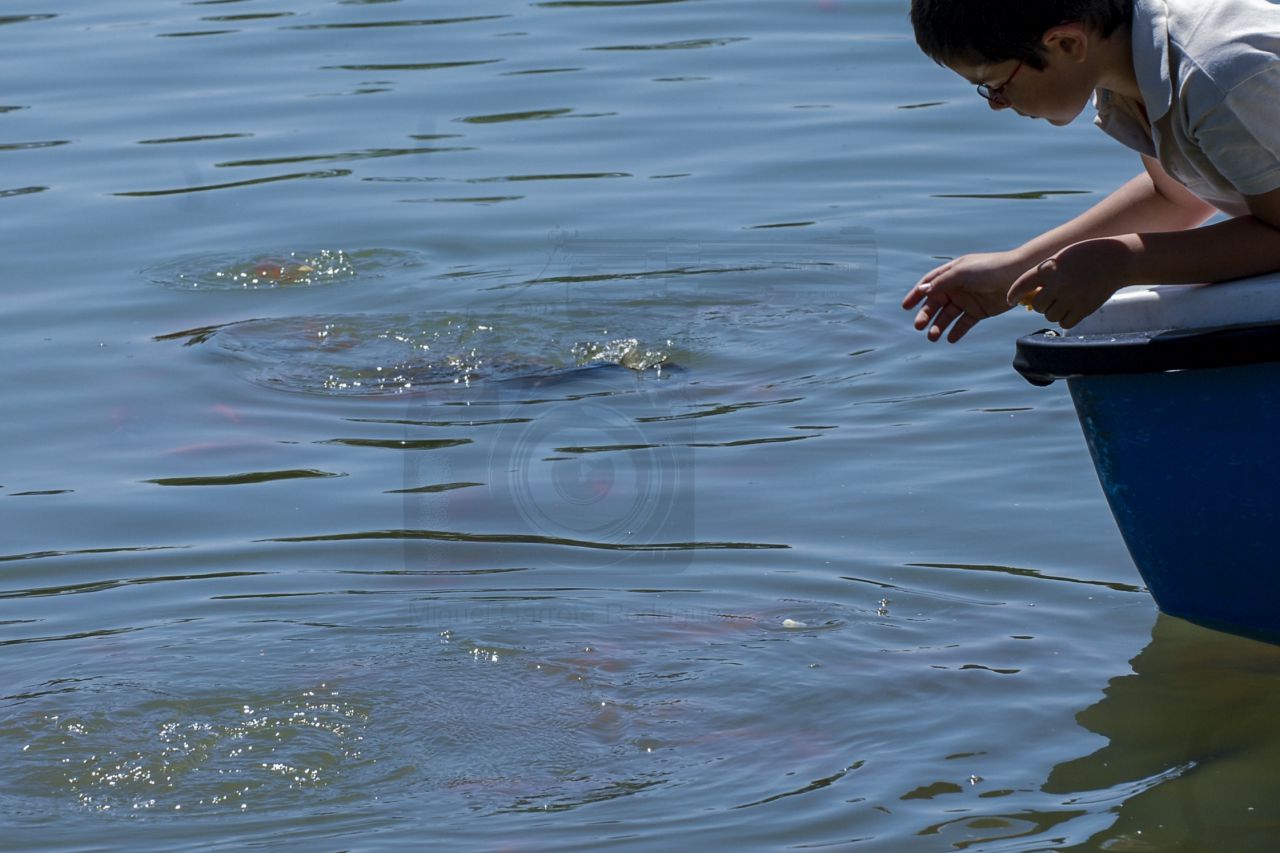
[1209, 73]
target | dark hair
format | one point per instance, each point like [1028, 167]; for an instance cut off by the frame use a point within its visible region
[1000, 30]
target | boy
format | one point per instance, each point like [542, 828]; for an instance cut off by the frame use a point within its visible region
[1192, 85]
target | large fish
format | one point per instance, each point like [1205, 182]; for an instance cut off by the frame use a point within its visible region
[373, 355]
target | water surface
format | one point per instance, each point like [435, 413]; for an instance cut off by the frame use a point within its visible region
[494, 424]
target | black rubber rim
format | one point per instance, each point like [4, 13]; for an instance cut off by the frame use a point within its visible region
[1047, 355]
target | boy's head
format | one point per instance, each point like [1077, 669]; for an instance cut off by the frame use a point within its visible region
[988, 31]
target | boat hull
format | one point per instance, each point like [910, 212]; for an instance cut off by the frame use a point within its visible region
[1177, 389]
[1186, 460]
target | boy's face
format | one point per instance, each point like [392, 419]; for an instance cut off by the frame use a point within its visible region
[1057, 93]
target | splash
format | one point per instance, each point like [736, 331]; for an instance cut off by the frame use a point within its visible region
[375, 355]
[269, 270]
[111, 753]
[624, 352]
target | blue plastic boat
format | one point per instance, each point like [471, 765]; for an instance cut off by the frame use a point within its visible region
[1178, 392]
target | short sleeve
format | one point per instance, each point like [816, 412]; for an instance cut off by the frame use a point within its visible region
[1241, 135]
[1119, 118]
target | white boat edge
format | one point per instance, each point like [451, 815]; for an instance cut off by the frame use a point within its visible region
[1185, 306]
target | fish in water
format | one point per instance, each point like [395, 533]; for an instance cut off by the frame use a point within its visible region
[380, 355]
[282, 270]
[595, 370]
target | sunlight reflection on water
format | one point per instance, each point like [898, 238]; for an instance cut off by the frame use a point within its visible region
[813, 583]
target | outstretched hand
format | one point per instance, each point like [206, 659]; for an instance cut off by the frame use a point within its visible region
[961, 292]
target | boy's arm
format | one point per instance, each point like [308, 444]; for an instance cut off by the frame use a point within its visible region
[1075, 281]
[972, 287]
[1153, 201]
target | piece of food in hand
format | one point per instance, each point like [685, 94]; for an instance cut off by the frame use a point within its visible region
[1028, 298]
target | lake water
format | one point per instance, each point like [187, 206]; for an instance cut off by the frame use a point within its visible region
[493, 424]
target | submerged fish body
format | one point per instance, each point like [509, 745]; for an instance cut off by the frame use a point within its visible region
[376, 355]
[600, 370]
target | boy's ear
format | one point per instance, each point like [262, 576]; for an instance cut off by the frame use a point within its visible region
[1069, 40]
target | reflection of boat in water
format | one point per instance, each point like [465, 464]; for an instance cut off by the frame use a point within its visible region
[1176, 390]
[1191, 747]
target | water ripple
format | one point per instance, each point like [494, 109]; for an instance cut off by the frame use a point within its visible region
[815, 785]
[685, 44]
[1035, 574]
[539, 71]
[249, 478]
[526, 115]
[433, 489]
[116, 583]
[562, 176]
[195, 34]
[408, 66]
[421, 22]
[41, 555]
[293, 176]
[197, 138]
[30, 146]
[399, 443]
[340, 157]
[526, 539]
[478, 199]
[1031, 195]
[249, 16]
[20, 19]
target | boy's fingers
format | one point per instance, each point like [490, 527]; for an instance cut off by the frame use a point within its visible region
[1024, 285]
[961, 328]
[936, 271]
[913, 297]
[929, 308]
[1042, 300]
[939, 282]
[1034, 300]
[923, 287]
[1056, 311]
[1029, 287]
[944, 319]
[934, 312]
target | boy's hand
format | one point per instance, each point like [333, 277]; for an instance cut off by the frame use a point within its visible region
[1075, 282]
[961, 292]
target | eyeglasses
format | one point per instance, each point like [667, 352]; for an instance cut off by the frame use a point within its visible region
[995, 94]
